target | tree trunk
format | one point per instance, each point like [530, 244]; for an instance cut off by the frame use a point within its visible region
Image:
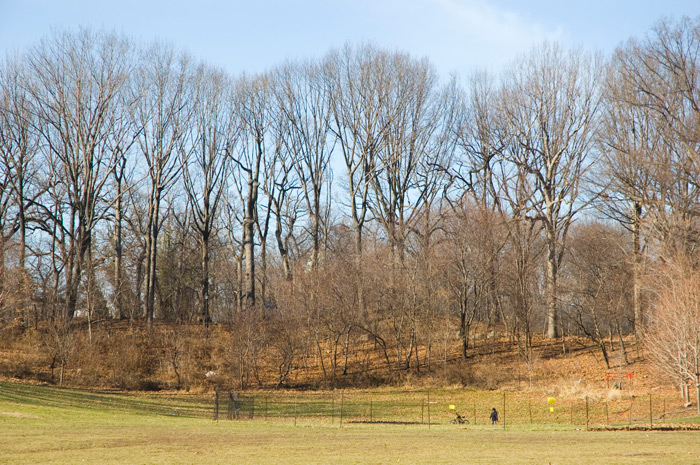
[263, 269]
[359, 264]
[89, 300]
[150, 279]
[206, 318]
[346, 351]
[2, 270]
[464, 323]
[139, 283]
[551, 286]
[284, 253]
[623, 348]
[74, 273]
[249, 244]
[151, 258]
[22, 236]
[118, 263]
[637, 270]
[239, 295]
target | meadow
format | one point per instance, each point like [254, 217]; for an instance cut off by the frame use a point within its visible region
[50, 425]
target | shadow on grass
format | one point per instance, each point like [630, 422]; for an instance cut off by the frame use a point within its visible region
[62, 397]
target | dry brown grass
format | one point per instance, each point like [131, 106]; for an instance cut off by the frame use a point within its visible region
[125, 355]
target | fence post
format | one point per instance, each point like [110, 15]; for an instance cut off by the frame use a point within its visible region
[342, 395]
[371, 411]
[587, 413]
[651, 414]
[295, 412]
[529, 409]
[332, 409]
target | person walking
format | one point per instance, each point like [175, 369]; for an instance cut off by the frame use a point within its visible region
[494, 416]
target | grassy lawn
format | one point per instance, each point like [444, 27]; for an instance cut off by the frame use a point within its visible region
[42, 425]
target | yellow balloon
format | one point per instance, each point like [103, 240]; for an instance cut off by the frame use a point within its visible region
[551, 400]
[551, 409]
[452, 407]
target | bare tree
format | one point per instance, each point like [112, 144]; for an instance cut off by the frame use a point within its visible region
[122, 186]
[673, 338]
[359, 86]
[232, 221]
[253, 100]
[120, 175]
[472, 233]
[482, 139]
[664, 73]
[19, 187]
[632, 146]
[18, 150]
[163, 84]
[304, 104]
[551, 100]
[134, 247]
[410, 118]
[284, 203]
[652, 139]
[482, 171]
[207, 168]
[78, 78]
[598, 287]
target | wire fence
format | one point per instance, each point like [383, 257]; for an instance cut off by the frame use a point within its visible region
[617, 408]
[440, 407]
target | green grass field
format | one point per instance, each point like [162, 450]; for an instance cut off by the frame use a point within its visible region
[48, 425]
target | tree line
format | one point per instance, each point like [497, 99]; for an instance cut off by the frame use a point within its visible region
[355, 200]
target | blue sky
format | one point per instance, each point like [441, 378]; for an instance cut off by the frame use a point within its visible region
[456, 35]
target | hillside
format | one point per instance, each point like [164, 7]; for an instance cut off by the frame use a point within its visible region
[126, 357]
